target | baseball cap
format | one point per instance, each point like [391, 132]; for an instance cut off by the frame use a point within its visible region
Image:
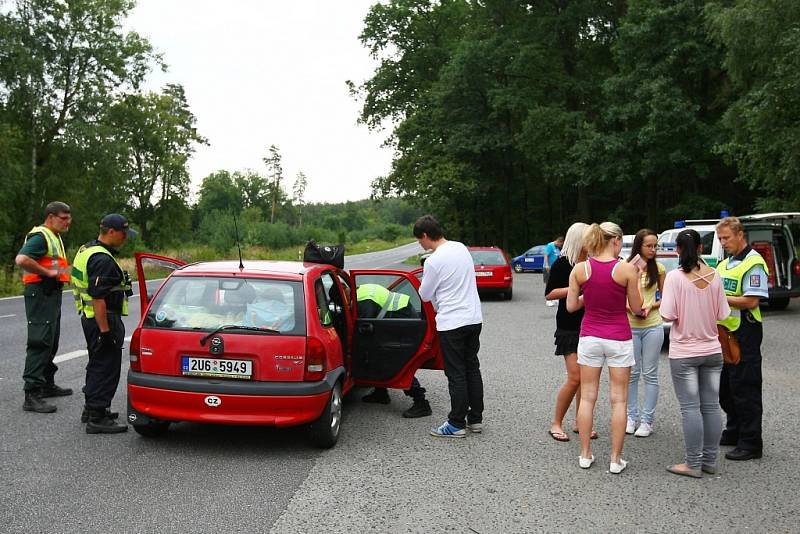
[118, 222]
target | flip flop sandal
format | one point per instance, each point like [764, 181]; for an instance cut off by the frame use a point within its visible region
[558, 436]
[594, 434]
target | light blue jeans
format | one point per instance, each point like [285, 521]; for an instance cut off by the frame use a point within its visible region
[696, 382]
[646, 350]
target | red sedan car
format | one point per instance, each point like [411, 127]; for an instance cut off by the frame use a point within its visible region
[493, 271]
[273, 343]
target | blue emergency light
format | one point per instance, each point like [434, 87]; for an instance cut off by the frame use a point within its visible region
[680, 224]
[723, 214]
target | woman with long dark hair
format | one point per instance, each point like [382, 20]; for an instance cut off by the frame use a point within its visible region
[694, 300]
[648, 335]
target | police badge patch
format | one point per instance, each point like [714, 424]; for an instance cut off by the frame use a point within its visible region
[755, 280]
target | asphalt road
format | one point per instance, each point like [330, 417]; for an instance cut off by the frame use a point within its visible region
[386, 474]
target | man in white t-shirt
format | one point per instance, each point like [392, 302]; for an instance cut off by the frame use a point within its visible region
[448, 282]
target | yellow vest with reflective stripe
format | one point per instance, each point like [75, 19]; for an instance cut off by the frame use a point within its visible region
[382, 297]
[80, 281]
[55, 258]
[732, 283]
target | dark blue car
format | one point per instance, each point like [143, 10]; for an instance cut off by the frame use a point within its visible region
[531, 260]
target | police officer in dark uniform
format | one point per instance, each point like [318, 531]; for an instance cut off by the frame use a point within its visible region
[376, 301]
[44, 262]
[101, 290]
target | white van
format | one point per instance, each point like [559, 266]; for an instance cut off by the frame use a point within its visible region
[768, 233]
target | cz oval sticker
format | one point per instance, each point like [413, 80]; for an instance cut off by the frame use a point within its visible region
[213, 401]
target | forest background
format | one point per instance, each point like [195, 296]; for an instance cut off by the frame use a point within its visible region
[509, 120]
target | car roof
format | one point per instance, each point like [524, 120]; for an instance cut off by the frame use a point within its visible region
[293, 270]
[485, 248]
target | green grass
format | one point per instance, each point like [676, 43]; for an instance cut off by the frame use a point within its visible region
[11, 281]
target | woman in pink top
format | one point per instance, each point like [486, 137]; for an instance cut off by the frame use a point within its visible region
[694, 300]
[602, 285]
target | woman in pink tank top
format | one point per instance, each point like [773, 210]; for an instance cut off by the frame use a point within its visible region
[603, 285]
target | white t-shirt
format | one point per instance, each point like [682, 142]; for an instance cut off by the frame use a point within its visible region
[448, 281]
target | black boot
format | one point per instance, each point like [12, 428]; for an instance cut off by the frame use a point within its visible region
[85, 414]
[52, 390]
[34, 403]
[378, 396]
[100, 423]
[420, 408]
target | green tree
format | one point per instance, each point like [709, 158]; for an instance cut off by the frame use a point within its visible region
[299, 194]
[275, 173]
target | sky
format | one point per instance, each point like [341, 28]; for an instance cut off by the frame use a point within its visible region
[264, 72]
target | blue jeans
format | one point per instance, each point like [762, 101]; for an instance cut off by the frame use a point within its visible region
[646, 350]
[696, 382]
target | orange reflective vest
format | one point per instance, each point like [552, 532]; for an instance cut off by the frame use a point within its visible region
[55, 258]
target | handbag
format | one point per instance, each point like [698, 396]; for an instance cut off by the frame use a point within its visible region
[327, 254]
[731, 353]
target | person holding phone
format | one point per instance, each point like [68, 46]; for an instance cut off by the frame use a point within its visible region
[648, 333]
[601, 286]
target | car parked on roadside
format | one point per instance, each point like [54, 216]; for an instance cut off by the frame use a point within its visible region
[769, 234]
[531, 260]
[492, 271]
[627, 246]
[274, 343]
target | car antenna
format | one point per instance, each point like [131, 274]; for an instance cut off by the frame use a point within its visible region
[238, 245]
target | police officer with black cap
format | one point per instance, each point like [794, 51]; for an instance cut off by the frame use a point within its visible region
[101, 288]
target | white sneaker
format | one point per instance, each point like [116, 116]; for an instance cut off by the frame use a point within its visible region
[630, 427]
[618, 468]
[644, 430]
[551, 303]
[585, 463]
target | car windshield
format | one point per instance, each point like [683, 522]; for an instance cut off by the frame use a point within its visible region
[667, 240]
[207, 303]
[487, 257]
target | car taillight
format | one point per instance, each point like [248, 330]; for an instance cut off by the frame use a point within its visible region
[796, 267]
[136, 365]
[315, 360]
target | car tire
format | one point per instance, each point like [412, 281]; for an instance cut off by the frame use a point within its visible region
[153, 429]
[778, 303]
[324, 432]
[508, 294]
[517, 268]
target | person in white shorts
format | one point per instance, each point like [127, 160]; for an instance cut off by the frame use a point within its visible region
[603, 285]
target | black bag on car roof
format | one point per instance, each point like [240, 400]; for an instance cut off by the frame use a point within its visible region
[327, 254]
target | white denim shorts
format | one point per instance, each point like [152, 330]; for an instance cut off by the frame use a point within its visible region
[594, 351]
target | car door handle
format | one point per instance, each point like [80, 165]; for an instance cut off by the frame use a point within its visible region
[366, 328]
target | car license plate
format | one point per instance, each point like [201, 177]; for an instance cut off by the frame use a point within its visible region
[484, 273]
[242, 369]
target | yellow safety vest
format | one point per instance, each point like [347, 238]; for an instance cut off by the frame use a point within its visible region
[387, 300]
[80, 281]
[55, 258]
[732, 283]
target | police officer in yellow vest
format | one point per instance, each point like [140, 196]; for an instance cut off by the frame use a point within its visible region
[45, 271]
[745, 279]
[101, 289]
[375, 301]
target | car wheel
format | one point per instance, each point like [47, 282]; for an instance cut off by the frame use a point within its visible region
[508, 294]
[517, 267]
[778, 304]
[324, 432]
[153, 429]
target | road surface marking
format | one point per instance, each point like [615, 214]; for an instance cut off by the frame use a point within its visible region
[76, 354]
[9, 315]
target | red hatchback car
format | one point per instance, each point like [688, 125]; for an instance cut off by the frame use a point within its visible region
[272, 343]
[493, 271]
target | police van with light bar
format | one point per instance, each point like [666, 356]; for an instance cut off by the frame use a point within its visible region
[769, 234]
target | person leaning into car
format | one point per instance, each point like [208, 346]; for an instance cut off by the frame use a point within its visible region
[745, 280]
[101, 291]
[44, 263]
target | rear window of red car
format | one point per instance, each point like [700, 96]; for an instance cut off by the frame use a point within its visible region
[487, 257]
[205, 303]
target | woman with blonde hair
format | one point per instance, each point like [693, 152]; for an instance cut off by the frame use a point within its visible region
[601, 286]
[568, 326]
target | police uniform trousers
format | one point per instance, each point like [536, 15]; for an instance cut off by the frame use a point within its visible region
[103, 369]
[740, 388]
[43, 312]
